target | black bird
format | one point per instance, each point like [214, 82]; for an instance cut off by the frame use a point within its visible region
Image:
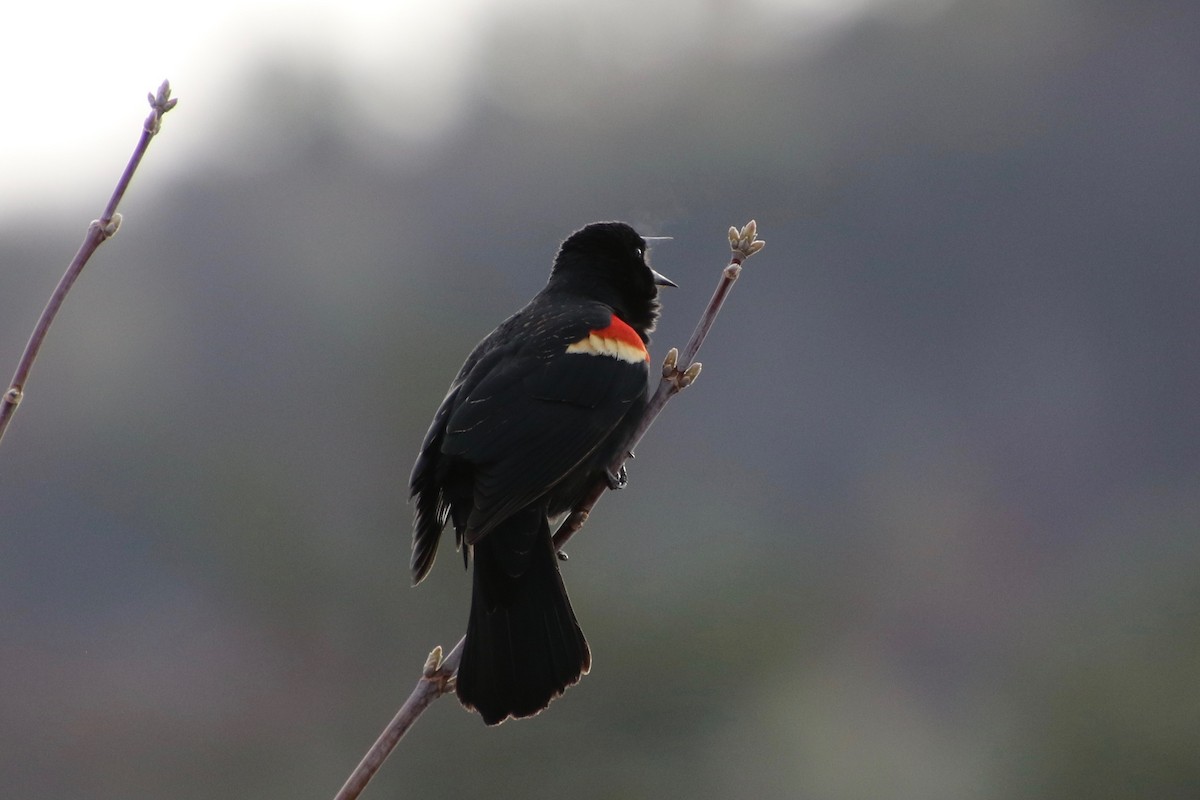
[537, 414]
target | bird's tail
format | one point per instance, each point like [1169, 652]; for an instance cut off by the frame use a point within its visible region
[524, 647]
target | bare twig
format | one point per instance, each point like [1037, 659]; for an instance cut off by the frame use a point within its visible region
[678, 373]
[436, 679]
[98, 232]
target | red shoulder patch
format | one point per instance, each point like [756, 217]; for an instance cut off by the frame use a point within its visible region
[619, 329]
[616, 340]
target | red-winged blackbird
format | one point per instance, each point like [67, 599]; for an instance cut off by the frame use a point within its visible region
[536, 416]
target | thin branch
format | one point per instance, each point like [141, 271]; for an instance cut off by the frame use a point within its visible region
[678, 373]
[436, 679]
[98, 232]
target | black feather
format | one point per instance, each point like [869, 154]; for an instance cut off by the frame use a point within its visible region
[525, 429]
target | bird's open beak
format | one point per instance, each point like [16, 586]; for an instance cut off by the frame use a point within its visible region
[663, 280]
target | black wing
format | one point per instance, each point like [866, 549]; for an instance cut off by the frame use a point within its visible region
[523, 415]
[427, 483]
[537, 415]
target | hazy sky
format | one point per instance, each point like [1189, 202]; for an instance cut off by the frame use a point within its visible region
[76, 73]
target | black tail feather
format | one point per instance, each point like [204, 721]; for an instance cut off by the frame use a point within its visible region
[524, 646]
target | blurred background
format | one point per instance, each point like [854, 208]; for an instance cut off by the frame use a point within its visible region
[927, 527]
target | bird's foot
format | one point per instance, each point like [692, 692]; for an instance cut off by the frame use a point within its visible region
[618, 479]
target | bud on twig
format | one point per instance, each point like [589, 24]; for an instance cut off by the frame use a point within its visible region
[98, 232]
[669, 362]
[745, 242]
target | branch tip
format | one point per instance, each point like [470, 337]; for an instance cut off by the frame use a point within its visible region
[744, 243]
[160, 103]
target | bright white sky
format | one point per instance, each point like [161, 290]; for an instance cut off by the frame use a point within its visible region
[76, 73]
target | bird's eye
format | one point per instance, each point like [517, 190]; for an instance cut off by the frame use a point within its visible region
[641, 251]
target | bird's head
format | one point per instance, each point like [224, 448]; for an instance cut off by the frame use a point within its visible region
[606, 261]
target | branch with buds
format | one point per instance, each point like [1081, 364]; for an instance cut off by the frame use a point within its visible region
[679, 371]
[98, 232]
